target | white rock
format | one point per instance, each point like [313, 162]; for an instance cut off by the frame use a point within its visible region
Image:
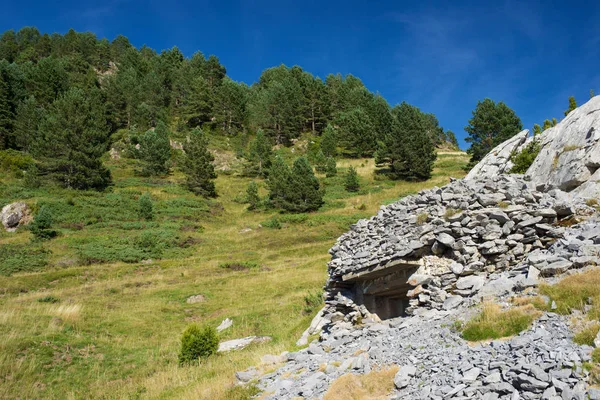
[226, 323]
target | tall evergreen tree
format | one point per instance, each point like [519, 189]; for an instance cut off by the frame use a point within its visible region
[330, 167]
[303, 192]
[356, 133]
[547, 125]
[260, 154]
[351, 183]
[72, 138]
[198, 105]
[492, 124]
[451, 138]
[329, 141]
[572, 105]
[408, 149]
[6, 114]
[27, 120]
[279, 181]
[197, 165]
[537, 129]
[155, 151]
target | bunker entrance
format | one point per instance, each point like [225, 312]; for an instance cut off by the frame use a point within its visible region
[383, 290]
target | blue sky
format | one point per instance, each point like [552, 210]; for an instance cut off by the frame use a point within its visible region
[441, 56]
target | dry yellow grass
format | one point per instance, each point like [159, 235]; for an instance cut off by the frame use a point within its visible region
[376, 385]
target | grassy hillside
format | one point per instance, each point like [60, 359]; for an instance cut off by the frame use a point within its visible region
[98, 311]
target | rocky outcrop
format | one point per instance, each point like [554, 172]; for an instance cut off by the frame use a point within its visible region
[569, 157]
[14, 215]
[498, 161]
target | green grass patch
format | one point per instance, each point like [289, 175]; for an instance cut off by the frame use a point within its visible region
[494, 323]
[22, 258]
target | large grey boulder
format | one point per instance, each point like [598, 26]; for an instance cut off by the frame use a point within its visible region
[498, 161]
[15, 214]
[569, 157]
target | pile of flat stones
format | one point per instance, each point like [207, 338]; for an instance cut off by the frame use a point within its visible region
[466, 235]
[436, 363]
[472, 240]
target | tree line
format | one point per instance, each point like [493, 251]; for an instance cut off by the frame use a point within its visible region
[63, 98]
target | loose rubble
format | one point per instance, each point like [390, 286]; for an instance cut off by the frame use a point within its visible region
[435, 363]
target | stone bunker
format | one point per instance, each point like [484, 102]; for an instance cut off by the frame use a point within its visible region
[382, 290]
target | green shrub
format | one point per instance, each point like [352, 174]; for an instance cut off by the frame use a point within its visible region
[198, 343]
[523, 160]
[351, 183]
[48, 299]
[40, 227]
[239, 266]
[495, 323]
[31, 177]
[252, 196]
[330, 167]
[146, 208]
[272, 223]
[12, 161]
[21, 258]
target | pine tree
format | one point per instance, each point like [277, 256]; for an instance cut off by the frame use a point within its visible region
[71, 140]
[260, 154]
[320, 161]
[146, 208]
[279, 180]
[27, 120]
[451, 138]
[408, 149]
[329, 141]
[198, 105]
[547, 125]
[197, 165]
[155, 151]
[492, 124]
[537, 129]
[305, 193]
[331, 168]
[6, 115]
[356, 132]
[295, 190]
[592, 93]
[351, 183]
[42, 224]
[572, 105]
[252, 196]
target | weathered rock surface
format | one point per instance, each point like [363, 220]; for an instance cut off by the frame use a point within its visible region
[569, 156]
[498, 161]
[15, 214]
[238, 344]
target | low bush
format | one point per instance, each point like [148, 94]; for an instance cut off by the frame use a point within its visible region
[48, 299]
[495, 323]
[40, 227]
[22, 258]
[239, 266]
[523, 160]
[198, 344]
[272, 223]
[146, 208]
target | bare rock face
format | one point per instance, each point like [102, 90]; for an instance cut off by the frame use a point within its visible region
[498, 161]
[569, 157]
[15, 214]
